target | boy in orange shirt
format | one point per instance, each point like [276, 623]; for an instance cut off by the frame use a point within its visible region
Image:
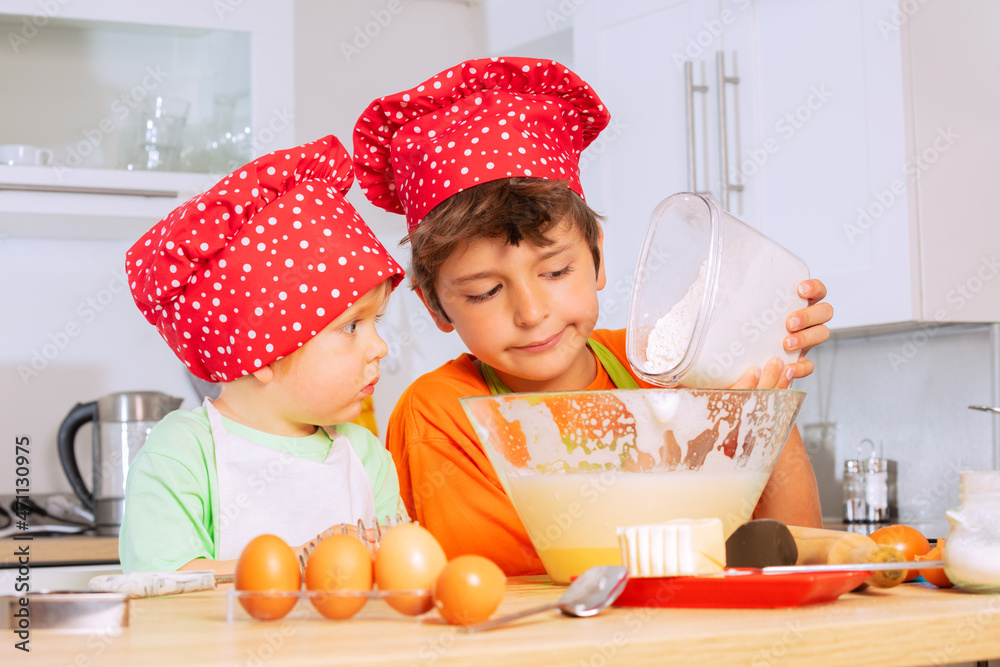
[483, 159]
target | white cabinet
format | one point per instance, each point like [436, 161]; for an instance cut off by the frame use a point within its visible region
[836, 152]
[863, 140]
[636, 54]
[888, 186]
[951, 79]
[78, 77]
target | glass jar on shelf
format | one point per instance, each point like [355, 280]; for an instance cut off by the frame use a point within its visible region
[159, 135]
[223, 143]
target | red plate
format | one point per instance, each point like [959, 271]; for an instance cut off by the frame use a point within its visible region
[744, 591]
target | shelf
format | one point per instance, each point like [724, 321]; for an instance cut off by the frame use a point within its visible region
[54, 202]
[104, 181]
[103, 65]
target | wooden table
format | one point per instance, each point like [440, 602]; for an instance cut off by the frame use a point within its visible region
[912, 624]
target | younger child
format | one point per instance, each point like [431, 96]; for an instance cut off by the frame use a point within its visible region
[483, 159]
[269, 283]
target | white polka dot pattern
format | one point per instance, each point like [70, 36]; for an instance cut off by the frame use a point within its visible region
[250, 270]
[480, 121]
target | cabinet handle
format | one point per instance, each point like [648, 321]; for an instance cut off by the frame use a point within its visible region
[727, 186]
[89, 191]
[689, 90]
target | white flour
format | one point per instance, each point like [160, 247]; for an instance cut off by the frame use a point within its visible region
[669, 339]
[753, 281]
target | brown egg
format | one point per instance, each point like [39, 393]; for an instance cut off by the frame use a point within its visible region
[267, 563]
[339, 563]
[469, 589]
[409, 558]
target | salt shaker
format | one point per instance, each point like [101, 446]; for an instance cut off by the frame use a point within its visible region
[972, 548]
[855, 507]
[869, 487]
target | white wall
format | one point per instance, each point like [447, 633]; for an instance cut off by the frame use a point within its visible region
[50, 287]
[530, 27]
[71, 333]
[349, 53]
[908, 392]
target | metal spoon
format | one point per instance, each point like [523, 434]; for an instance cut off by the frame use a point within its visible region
[591, 592]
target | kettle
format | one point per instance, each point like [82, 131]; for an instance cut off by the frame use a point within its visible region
[121, 423]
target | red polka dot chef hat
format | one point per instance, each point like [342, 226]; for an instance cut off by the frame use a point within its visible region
[479, 121]
[250, 270]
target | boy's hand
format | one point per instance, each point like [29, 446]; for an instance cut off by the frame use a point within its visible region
[807, 329]
[774, 375]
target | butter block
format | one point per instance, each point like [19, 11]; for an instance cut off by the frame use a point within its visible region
[682, 547]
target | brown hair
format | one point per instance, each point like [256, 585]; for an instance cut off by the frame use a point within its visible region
[513, 209]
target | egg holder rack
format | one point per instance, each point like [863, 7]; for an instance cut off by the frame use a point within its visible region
[236, 607]
[371, 537]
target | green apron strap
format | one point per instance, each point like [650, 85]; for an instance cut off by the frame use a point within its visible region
[615, 369]
[493, 380]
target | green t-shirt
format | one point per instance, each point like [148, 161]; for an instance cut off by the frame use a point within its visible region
[172, 512]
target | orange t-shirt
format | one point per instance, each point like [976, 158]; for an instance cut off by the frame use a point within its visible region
[445, 477]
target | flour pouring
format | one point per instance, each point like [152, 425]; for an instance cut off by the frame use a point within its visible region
[710, 296]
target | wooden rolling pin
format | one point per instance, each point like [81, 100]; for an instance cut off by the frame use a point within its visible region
[818, 546]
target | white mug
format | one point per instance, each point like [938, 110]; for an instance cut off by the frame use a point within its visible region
[22, 154]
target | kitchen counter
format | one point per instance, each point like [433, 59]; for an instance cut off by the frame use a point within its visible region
[66, 562]
[932, 530]
[61, 550]
[73, 548]
[912, 624]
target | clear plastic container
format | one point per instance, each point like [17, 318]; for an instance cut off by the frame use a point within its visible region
[710, 296]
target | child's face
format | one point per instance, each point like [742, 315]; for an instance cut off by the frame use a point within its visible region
[325, 381]
[527, 311]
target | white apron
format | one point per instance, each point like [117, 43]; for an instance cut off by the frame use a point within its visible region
[265, 491]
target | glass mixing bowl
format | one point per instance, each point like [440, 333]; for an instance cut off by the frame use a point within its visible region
[577, 465]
